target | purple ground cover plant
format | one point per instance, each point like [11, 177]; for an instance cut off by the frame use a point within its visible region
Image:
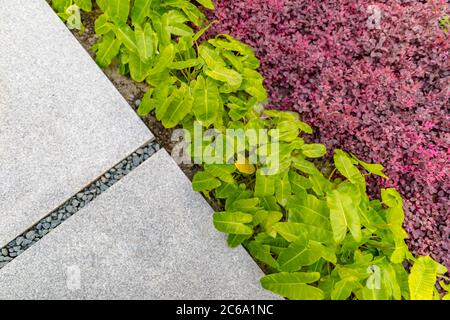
[373, 78]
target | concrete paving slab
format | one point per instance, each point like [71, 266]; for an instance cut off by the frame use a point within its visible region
[62, 122]
[148, 237]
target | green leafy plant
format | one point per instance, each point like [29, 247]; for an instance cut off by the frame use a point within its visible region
[69, 11]
[444, 23]
[323, 237]
[308, 221]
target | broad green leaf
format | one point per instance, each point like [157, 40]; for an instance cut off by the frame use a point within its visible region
[314, 150]
[391, 282]
[255, 88]
[305, 127]
[342, 290]
[229, 76]
[291, 231]
[422, 278]
[298, 254]
[343, 216]
[107, 50]
[194, 14]
[138, 69]
[233, 222]
[60, 5]
[176, 16]
[353, 273]
[262, 253]
[445, 287]
[180, 29]
[221, 171]
[391, 198]
[165, 59]
[211, 58]
[310, 210]
[269, 203]
[180, 65]
[227, 42]
[144, 41]
[102, 4]
[206, 100]
[287, 131]
[267, 219]
[282, 189]
[293, 285]
[245, 205]
[376, 169]
[277, 244]
[207, 4]
[242, 194]
[176, 107]
[235, 240]
[237, 112]
[264, 185]
[226, 190]
[402, 277]
[346, 167]
[305, 166]
[146, 104]
[325, 252]
[85, 5]
[140, 11]
[126, 35]
[202, 31]
[204, 181]
[102, 25]
[319, 183]
[118, 10]
[160, 24]
[190, 10]
[234, 60]
[299, 184]
[155, 98]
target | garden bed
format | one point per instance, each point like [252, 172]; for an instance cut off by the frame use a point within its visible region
[371, 79]
[359, 98]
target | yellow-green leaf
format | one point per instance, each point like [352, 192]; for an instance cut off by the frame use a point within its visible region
[343, 215]
[144, 41]
[118, 10]
[233, 222]
[293, 285]
[206, 100]
[422, 278]
[203, 181]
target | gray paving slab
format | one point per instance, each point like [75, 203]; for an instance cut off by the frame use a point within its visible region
[62, 122]
[148, 237]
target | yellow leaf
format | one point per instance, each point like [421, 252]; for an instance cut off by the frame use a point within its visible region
[245, 168]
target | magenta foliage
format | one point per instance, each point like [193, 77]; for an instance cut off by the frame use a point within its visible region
[376, 87]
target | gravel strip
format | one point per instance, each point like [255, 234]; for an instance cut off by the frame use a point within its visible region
[77, 202]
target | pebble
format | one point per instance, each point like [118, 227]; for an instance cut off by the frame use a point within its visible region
[30, 235]
[5, 259]
[55, 224]
[23, 242]
[19, 240]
